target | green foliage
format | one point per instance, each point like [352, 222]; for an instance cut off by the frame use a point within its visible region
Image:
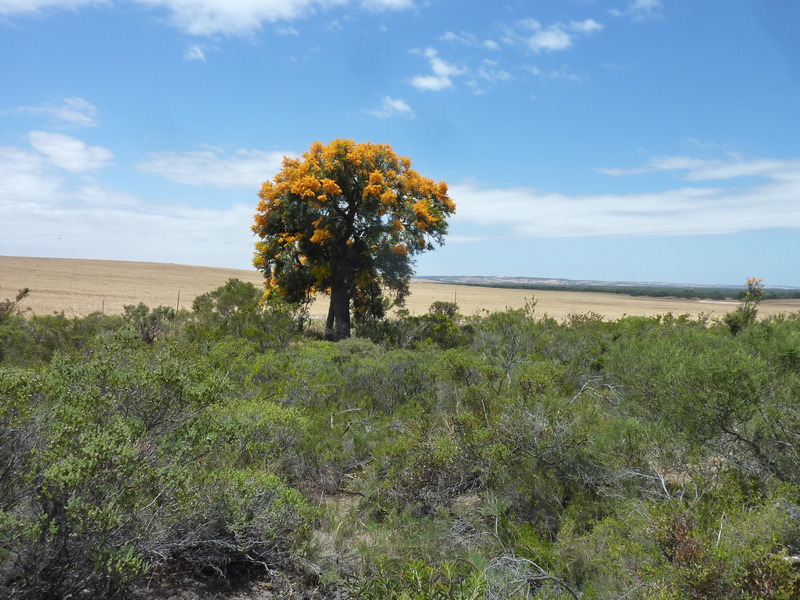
[10, 322]
[747, 311]
[238, 311]
[47, 335]
[117, 465]
[415, 580]
[150, 324]
[10, 308]
[440, 307]
[697, 388]
[442, 326]
[501, 455]
[713, 547]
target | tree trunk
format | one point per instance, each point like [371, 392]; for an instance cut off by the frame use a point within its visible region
[337, 326]
[329, 322]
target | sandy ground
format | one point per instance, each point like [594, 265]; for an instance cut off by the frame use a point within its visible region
[79, 287]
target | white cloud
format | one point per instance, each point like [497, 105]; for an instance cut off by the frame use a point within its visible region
[492, 72]
[24, 178]
[210, 17]
[68, 152]
[431, 83]
[246, 169]
[698, 169]
[237, 17]
[550, 38]
[381, 5]
[461, 37]
[468, 39]
[194, 52]
[441, 67]
[102, 223]
[560, 37]
[20, 7]
[392, 107]
[585, 26]
[561, 74]
[641, 10]
[442, 76]
[70, 112]
[769, 202]
[41, 215]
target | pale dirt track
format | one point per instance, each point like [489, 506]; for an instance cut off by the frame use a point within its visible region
[79, 287]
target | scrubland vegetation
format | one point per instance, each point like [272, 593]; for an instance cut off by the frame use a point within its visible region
[502, 455]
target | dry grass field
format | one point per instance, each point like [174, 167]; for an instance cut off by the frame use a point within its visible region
[79, 287]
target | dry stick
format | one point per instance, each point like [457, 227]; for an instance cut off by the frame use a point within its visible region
[178, 305]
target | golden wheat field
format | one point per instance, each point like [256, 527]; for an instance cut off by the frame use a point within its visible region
[78, 287]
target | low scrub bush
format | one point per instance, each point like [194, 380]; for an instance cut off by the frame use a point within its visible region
[115, 466]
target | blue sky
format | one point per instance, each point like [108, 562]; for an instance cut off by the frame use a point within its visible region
[641, 140]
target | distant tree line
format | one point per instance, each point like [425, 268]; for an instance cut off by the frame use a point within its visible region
[652, 291]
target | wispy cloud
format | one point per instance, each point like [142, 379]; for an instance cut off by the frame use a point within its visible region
[21, 7]
[442, 73]
[70, 112]
[492, 72]
[212, 17]
[242, 17]
[194, 52]
[381, 5]
[69, 153]
[727, 195]
[44, 212]
[701, 169]
[469, 39]
[488, 74]
[771, 201]
[550, 38]
[103, 223]
[641, 10]
[245, 169]
[562, 73]
[392, 107]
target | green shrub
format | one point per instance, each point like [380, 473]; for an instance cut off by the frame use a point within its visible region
[745, 314]
[416, 580]
[150, 324]
[237, 310]
[726, 543]
[119, 464]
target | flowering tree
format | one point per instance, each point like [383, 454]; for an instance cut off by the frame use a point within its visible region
[345, 220]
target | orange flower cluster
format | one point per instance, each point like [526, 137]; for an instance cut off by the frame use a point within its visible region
[321, 236]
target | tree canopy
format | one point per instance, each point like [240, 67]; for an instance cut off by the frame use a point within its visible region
[345, 219]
